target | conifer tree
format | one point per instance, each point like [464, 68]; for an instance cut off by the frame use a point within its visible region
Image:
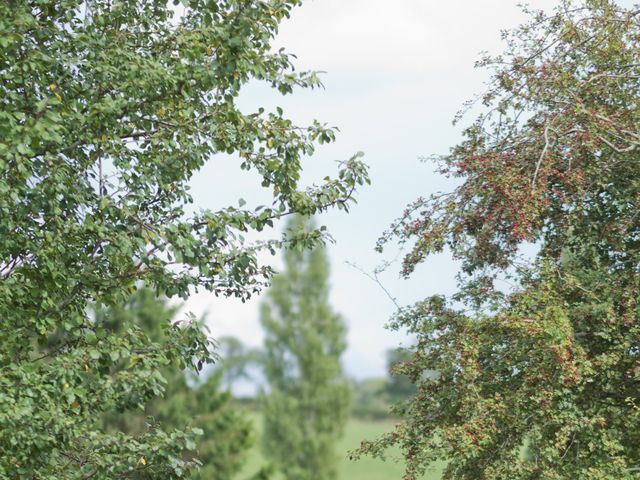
[226, 433]
[308, 399]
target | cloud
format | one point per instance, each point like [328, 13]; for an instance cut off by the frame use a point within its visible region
[407, 36]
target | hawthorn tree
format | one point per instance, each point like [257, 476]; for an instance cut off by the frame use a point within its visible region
[108, 109]
[307, 403]
[551, 366]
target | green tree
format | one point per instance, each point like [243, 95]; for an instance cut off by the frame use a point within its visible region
[370, 399]
[239, 359]
[398, 387]
[108, 109]
[307, 402]
[385, 397]
[552, 364]
[227, 433]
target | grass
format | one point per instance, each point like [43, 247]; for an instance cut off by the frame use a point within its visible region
[364, 469]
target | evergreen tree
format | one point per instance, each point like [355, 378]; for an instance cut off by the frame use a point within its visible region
[226, 432]
[239, 359]
[307, 403]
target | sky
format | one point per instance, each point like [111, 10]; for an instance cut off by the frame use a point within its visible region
[396, 73]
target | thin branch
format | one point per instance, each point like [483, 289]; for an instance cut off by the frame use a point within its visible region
[374, 276]
[617, 149]
[542, 155]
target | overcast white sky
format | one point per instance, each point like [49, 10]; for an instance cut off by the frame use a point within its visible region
[397, 72]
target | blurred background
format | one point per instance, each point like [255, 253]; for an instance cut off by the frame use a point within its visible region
[396, 74]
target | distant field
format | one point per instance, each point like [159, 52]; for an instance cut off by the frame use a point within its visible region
[363, 469]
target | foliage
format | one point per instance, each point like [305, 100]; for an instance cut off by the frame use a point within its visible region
[370, 401]
[366, 468]
[239, 360]
[109, 107]
[398, 386]
[226, 436]
[308, 399]
[383, 398]
[553, 365]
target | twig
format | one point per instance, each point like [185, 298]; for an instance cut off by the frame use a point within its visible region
[375, 278]
[542, 155]
[628, 149]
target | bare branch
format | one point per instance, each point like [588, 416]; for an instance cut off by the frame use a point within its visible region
[542, 155]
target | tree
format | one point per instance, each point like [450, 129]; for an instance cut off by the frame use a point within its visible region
[370, 399]
[552, 364]
[227, 433]
[398, 387]
[307, 403]
[238, 360]
[109, 107]
[384, 398]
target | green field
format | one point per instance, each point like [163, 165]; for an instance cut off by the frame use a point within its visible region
[363, 469]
